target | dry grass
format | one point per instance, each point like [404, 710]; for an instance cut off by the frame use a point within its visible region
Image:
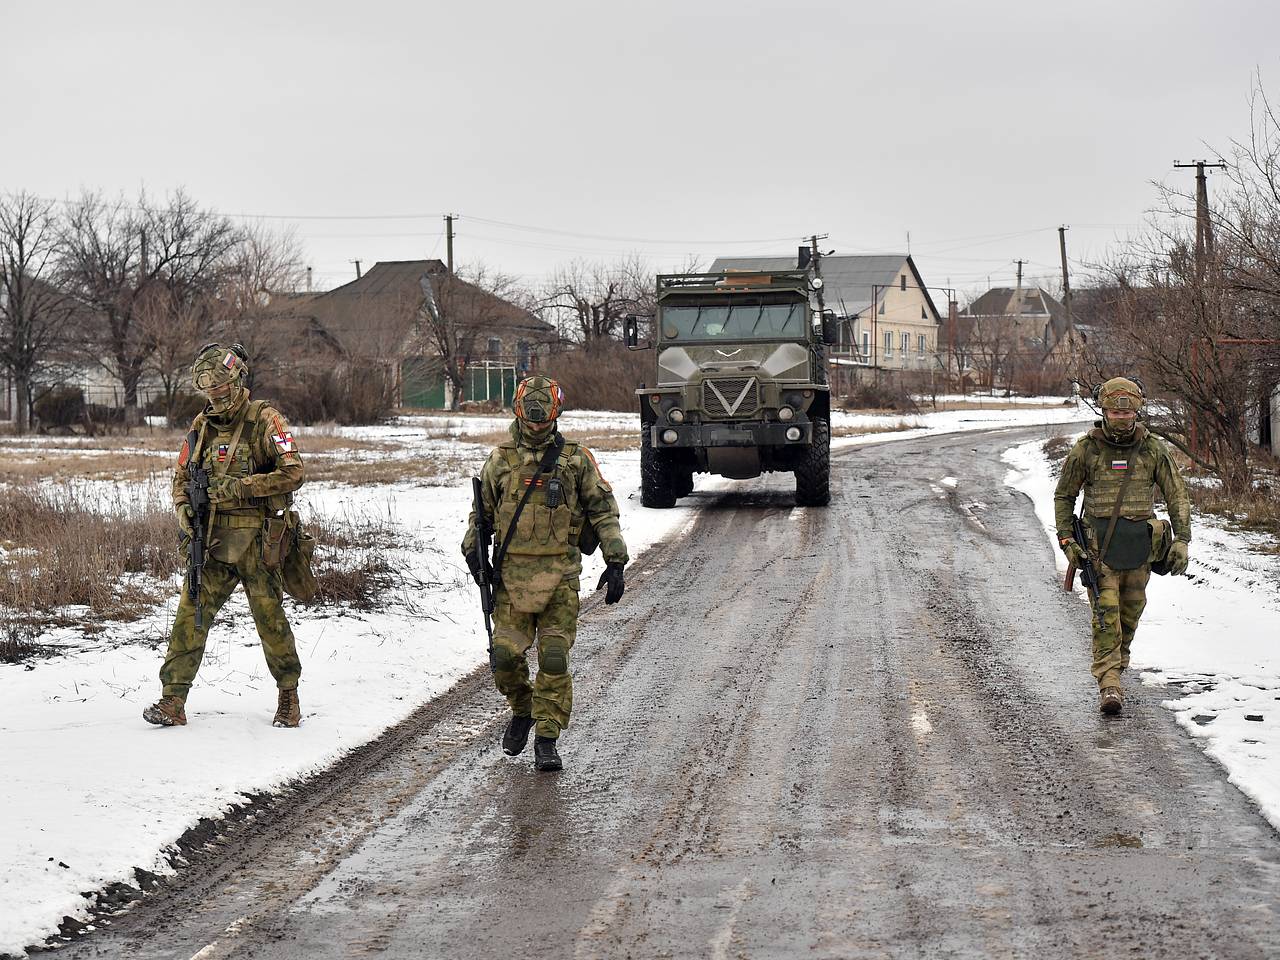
[1258, 511]
[117, 560]
[62, 550]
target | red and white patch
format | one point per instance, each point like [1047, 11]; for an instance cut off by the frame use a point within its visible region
[283, 442]
[230, 360]
[185, 454]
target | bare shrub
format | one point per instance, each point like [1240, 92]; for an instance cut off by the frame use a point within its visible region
[879, 396]
[602, 377]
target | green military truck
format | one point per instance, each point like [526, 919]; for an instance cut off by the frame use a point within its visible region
[741, 384]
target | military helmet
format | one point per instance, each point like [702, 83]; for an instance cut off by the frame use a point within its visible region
[538, 400]
[1121, 393]
[216, 367]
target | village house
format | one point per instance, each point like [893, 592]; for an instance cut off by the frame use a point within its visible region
[380, 322]
[1014, 337]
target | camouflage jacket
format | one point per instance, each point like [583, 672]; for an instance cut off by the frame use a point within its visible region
[1099, 465]
[265, 459]
[545, 542]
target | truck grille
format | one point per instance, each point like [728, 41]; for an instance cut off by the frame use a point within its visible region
[731, 397]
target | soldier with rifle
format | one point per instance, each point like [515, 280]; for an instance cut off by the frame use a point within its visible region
[543, 500]
[1118, 541]
[232, 492]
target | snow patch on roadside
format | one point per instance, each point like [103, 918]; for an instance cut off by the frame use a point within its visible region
[1212, 634]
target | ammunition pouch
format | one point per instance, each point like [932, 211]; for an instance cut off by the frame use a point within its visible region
[275, 543]
[295, 565]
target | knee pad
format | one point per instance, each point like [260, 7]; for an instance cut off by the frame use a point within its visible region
[504, 658]
[554, 660]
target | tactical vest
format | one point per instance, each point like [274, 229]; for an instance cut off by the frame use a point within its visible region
[542, 530]
[216, 455]
[1105, 469]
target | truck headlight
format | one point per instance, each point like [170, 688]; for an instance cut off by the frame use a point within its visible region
[794, 433]
[670, 436]
[786, 413]
[675, 415]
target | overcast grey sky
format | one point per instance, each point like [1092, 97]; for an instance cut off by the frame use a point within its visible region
[601, 129]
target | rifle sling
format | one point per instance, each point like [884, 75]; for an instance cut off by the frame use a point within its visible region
[1115, 510]
[548, 458]
[220, 469]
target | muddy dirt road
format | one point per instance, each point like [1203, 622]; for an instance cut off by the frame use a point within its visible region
[866, 731]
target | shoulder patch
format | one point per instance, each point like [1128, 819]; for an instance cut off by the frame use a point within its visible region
[185, 453]
[592, 457]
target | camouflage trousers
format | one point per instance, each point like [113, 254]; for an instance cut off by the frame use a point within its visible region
[265, 592]
[549, 698]
[1122, 596]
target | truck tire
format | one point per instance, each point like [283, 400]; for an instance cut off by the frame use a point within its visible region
[657, 478]
[684, 481]
[813, 476]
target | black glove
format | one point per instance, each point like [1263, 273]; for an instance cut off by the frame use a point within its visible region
[473, 564]
[612, 578]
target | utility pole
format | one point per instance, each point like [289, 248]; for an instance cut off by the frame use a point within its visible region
[1017, 295]
[953, 318]
[448, 239]
[308, 279]
[357, 263]
[1204, 230]
[1066, 280]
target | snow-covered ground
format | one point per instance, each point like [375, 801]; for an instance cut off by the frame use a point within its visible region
[1214, 634]
[90, 791]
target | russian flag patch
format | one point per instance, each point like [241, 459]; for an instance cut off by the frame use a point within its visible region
[1119, 464]
[229, 361]
[283, 441]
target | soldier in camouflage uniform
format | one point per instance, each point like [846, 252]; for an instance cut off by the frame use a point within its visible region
[1119, 464]
[536, 601]
[254, 468]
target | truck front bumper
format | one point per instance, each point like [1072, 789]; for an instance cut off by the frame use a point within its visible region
[750, 434]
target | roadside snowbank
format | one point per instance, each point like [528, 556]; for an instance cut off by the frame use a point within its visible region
[1212, 633]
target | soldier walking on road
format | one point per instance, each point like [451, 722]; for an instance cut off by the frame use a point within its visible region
[254, 467]
[1119, 464]
[545, 500]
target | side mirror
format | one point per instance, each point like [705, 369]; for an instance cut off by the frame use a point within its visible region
[631, 327]
[830, 329]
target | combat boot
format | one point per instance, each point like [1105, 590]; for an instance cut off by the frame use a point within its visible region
[288, 710]
[517, 735]
[1111, 701]
[545, 756]
[168, 711]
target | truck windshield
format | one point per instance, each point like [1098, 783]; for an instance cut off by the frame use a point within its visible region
[738, 321]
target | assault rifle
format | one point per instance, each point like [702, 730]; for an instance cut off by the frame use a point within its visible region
[484, 533]
[198, 497]
[1088, 572]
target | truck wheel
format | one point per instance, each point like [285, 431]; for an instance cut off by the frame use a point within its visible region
[813, 476]
[657, 483]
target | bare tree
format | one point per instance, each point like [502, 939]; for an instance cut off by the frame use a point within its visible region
[589, 299]
[457, 309]
[117, 256]
[34, 311]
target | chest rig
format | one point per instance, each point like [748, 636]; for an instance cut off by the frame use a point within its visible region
[1107, 465]
[552, 518]
[227, 449]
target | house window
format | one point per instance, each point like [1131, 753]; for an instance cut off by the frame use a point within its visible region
[523, 355]
[495, 348]
[888, 343]
[866, 347]
[920, 341]
[903, 281]
[923, 315]
[906, 344]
